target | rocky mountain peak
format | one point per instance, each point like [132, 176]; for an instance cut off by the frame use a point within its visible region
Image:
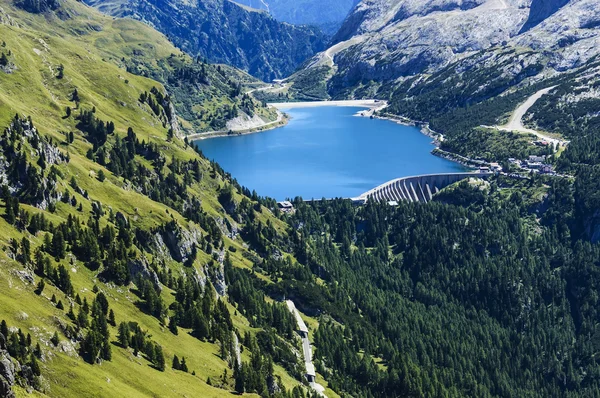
[540, 10]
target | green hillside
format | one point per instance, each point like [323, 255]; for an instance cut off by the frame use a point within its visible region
[114, 242]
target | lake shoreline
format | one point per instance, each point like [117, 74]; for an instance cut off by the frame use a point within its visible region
[323, 152]
[368, 104]
[370, 107]
[438, 138]
[282, 120]
[423, 126]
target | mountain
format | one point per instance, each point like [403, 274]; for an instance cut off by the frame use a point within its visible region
[327, 15]
[123, 270]
[386, 40]
[225, 32]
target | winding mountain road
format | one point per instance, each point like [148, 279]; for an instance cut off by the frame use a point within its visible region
[515, 123]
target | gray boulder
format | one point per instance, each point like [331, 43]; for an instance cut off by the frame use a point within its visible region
[7, 368]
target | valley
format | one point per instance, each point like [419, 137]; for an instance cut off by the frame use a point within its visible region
[152, 245]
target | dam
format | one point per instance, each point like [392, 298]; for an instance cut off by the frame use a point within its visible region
[417, 188]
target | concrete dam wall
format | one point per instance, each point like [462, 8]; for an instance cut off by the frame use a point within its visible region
[417, 188]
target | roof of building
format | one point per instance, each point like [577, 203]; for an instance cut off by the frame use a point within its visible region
[310, 369]
[301, 325]
[285, 204]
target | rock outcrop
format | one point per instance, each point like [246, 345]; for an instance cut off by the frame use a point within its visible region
[7, 371]
[38, 6]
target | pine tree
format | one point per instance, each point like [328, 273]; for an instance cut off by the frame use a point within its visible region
[40, 287]
[55, 340]
[159, 358]
[176, 365]
[102, 302]
[173, 325]
[38, 350]
[71, 314]
[4, 328]
[106, 350]
[58, 245]
[111, 318]
[82, 319]
[34, 365]
[238, 374]
[184, 366]
[11, 217]
[26, 250]
[123, 335]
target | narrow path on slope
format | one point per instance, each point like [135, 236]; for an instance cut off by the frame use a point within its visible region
[327, 55]
[516, 119]
[272, 88]
[515, 123]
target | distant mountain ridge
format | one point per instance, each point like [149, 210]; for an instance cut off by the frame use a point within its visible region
[326, 14]
[225, 32]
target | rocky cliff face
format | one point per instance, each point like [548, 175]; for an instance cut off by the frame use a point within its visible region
[7, 370]
[38, 6]
[225, 32]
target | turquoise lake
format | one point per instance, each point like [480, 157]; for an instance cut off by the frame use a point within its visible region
[325, 152]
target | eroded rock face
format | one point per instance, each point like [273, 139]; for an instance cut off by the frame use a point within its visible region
[7, 371]
[179, 241]
[38, 6]
[139, 269]
[407, 37]
[570, 36]
[5, 389]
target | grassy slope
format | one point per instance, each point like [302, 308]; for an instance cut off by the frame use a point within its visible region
[89, 46]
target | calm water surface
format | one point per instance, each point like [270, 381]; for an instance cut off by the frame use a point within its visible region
[325, 152]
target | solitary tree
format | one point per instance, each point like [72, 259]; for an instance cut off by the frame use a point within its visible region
[160, 358]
